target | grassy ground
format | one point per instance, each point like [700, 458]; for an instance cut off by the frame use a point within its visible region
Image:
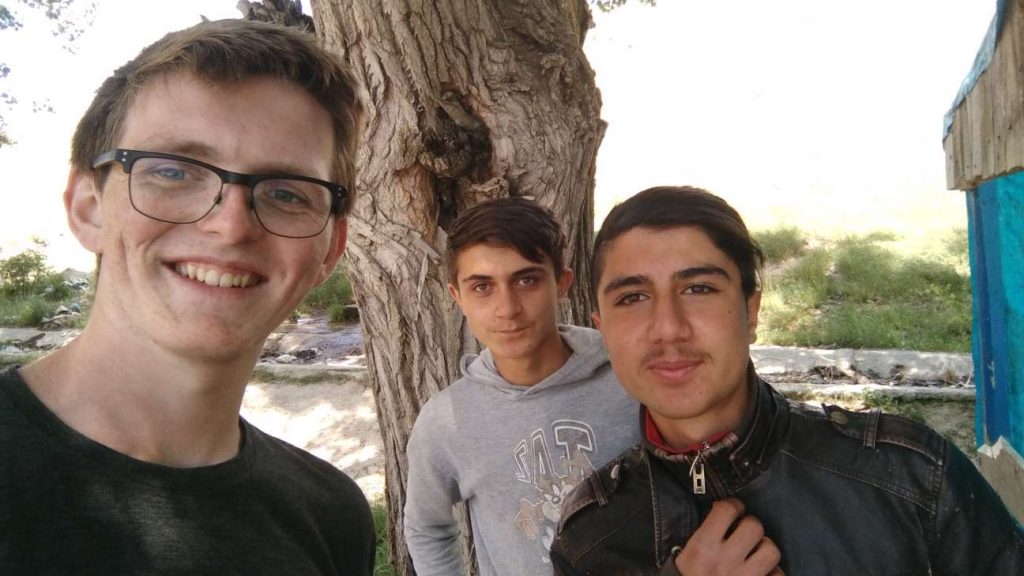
[868, 291]
[380, 522]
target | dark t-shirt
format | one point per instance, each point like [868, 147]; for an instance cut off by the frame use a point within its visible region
[69, 505]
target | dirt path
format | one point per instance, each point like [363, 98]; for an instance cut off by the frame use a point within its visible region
[336, 422]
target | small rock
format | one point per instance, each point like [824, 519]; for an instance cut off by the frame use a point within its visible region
[306, 354]
[56, 339]
[285, 359]
[351, 313]
[20, 335]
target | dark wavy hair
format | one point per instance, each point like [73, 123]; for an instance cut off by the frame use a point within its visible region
[666, 207]
[517, 223]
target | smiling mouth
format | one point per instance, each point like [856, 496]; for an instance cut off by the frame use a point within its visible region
[213, 276]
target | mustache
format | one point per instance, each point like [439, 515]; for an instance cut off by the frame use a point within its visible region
[673, 353]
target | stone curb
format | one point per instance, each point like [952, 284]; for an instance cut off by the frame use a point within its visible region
[304, 373]
[799, 390]
[768, 360]
[902, 364]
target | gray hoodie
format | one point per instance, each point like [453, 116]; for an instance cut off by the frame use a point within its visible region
[512, 453]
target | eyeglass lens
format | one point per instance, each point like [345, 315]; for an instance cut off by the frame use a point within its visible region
[181, 192]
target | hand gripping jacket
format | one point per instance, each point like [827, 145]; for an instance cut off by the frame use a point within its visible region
[839, 493]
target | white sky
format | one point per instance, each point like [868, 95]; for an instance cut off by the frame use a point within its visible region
[826, 115]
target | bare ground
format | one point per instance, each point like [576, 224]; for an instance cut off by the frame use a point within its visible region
[334, 421]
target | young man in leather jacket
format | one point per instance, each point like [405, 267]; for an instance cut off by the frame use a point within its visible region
[835, 492]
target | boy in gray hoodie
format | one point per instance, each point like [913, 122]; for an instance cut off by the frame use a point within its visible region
[532, 415]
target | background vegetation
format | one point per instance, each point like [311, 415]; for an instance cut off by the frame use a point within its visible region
[30, 290]
[876, 290]
[332, 298]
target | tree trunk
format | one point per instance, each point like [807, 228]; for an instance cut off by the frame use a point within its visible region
[466, 100]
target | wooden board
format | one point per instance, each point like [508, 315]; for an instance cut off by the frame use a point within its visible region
[987, 136]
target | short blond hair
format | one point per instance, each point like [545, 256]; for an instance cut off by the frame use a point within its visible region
[225, 52]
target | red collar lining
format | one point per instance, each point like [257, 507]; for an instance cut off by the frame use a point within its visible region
[655, 438]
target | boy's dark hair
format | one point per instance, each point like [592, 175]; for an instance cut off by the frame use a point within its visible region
[225, 52]
[523, 225]
[666, 207]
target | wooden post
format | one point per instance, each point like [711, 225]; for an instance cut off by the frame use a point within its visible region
[985, 157]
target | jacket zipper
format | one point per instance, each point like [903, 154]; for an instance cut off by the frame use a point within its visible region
[697, 470]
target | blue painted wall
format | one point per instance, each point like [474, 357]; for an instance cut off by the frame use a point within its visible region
[995, 213]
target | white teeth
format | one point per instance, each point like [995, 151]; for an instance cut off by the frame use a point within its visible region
[214, 277]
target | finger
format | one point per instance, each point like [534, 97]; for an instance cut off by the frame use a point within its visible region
[747, 531]
[744, 540]
[721, 518]
[765, 558]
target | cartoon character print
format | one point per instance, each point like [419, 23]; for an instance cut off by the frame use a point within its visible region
[538, 518]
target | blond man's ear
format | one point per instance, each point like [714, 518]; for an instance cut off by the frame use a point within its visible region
[83, 204]
[339, 231]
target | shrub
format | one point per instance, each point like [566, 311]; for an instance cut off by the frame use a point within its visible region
[34, 309]
[958, 247]
[862, 294]
[331, 297]
[864, 271]
[781, 243]
[24, 273]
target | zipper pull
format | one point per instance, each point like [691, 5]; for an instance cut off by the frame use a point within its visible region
[697, 470]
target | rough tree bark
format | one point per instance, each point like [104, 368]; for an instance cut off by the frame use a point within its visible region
[466, 100]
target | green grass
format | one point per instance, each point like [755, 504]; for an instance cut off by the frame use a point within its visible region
[867, 292]
[329, 298]
[380, 523]
[28, 311]
[780, 244]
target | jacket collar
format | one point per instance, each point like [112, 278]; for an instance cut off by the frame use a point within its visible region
[736, 458]
[729, 464]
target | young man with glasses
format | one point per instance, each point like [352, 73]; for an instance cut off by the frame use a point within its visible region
[211, 176]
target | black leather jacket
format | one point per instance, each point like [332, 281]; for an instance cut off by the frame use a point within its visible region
[839, 493]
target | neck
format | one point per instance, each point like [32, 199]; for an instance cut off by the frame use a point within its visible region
[682, 434]
[530, 370]
[142, 401]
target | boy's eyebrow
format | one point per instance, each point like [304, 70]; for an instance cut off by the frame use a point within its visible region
[529, 270]
[693, 272]
[517, 273]
[624, 281]
[684, 274]
[475, 278]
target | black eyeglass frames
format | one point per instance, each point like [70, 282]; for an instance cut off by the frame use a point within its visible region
[181, 190]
